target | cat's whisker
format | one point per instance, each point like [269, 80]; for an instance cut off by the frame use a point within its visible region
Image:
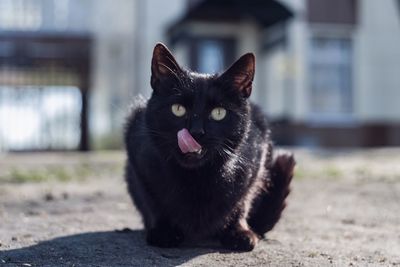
[176, 75]
[172, 60]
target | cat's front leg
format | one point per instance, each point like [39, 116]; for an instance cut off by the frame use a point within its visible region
[238, 236]
[164, 235]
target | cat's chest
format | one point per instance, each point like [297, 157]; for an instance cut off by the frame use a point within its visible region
[184, 189]
[200, 201]
[200, 189]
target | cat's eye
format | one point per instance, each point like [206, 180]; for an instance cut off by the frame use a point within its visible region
[178, 110]
[218, 113]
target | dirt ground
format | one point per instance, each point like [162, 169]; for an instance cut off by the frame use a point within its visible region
[73, 210]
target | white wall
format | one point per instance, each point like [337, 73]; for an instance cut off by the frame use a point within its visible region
[378, 74]
[112, 28]
[287, 69]
[274, 79]
[157, 16]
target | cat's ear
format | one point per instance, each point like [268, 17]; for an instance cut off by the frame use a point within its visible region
[163, 66]
[240, 75]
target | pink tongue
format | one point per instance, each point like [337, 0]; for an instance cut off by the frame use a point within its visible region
[186, 142]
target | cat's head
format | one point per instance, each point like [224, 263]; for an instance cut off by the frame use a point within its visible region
[212, 110]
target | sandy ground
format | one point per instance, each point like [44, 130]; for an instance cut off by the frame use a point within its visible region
[344, 210]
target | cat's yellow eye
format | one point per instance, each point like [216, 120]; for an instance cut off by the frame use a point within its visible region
[178, 110]
[218, 113]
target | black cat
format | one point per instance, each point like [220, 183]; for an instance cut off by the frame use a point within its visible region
[200, 161]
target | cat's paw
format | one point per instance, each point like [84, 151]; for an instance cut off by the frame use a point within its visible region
[284, 162]
[240, 240]
[165, 237]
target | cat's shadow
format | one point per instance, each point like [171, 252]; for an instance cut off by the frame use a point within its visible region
[112, 248]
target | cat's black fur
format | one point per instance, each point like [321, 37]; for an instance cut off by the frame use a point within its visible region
[235, 189]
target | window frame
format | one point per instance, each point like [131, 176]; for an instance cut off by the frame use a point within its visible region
[331, 118]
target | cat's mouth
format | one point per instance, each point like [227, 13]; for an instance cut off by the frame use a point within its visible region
[187, 144]
[192, 159]
[191, 153]
[199, 154]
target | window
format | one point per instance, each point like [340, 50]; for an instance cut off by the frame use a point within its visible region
[211, 55]
[331, 77]
[45, 15]
[20, 14]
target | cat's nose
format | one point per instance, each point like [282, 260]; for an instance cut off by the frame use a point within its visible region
[197, 132]
[197, 129]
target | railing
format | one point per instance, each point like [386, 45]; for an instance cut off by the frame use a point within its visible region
[44, 86]
[39, 118]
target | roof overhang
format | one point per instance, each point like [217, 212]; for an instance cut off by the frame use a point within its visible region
[263, 12]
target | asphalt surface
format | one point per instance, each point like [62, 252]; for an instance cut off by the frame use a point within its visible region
[344, 210]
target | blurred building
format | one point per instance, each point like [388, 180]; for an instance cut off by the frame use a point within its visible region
[327, 71]
[327, 77]
[339, 83]
[69, 68]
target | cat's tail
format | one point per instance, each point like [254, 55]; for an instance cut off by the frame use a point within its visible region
[268, 207]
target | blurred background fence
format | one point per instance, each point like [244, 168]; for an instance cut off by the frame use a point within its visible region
[44, 92]
[327, 71]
